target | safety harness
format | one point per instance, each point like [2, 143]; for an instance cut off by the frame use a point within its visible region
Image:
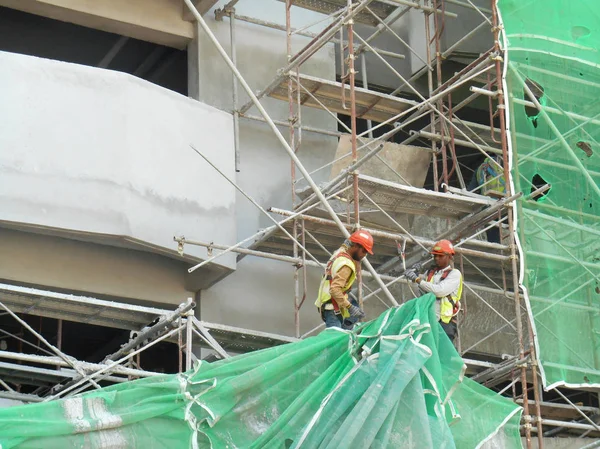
[329, 278]
[455, 304]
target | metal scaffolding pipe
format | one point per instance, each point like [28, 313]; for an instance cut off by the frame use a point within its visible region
[54, 349]
[159, 328]
[468, 6]
[423, 8]
[325, 36]
[57, 361]
[280, 137]
[249, 252]
[568, 425]
[462, 143]
[345, 172]
[296, 125]
[395, 237]
[90, 377]
[553, 110]
[303, 33]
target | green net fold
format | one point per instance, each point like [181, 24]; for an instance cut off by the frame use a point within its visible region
[394, 382]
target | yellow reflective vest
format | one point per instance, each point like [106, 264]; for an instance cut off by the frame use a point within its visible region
[449, 305]
[486, 172]
[338, 260]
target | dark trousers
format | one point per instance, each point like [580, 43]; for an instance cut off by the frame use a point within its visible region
[333, 319]
[450, 328]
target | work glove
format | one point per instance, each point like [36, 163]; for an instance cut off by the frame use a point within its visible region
[356, 312]
[417, 267]
[411, 274]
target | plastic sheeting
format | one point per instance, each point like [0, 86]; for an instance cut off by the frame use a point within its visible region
[395, 382]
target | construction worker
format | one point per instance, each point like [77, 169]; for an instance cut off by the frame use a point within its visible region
[489, 180]
[444, 282]
[340, 273]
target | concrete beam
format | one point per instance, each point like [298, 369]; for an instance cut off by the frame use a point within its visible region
[157, 21]
[203, 6]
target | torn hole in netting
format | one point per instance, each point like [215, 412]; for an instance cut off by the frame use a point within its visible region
[537, 182]
[579, 31]
[538, 92]
[585, 147]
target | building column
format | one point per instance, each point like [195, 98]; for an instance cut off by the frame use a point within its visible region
[193, 50]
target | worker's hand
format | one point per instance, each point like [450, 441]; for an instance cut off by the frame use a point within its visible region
[417, 267]
[411, 274]
[356, 311]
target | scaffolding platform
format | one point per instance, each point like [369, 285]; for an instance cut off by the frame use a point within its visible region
[370, 105]
[81, 309]
[553, 410]
[84, 309]
[397, 198]
[380, 9]
[239, 340]
[473, 135]
[323, 237]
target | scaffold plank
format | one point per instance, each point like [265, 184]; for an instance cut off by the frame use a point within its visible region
[382, 10]
[398, 198]
[239, 340]
[82, 309]
[479, 256]
[319, 93]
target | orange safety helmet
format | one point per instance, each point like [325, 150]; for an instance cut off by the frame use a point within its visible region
[363, 238]
[443, 248]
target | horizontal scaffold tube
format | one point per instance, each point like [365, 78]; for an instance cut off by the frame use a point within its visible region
[394, 236]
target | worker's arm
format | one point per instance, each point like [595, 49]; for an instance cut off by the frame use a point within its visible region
[337, 287]
[443, 288]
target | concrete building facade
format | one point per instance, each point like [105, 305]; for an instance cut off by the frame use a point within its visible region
[112, 115]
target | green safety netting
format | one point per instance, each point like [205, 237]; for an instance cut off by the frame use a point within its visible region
[394, 382]
[553, 50]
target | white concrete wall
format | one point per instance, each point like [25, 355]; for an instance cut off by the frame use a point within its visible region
[102, 152]
[97, 270]
[259, 294]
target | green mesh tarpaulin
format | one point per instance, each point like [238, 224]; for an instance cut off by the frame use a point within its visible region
[396, 382]
[553, 53]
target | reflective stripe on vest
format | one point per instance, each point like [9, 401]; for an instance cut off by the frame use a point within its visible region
[449, 305]
[338, 260]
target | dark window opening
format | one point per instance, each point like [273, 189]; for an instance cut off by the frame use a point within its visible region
[34, 35]
[83, 341]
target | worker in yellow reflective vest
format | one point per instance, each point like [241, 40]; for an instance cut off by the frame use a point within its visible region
[444, 282]
[340, 273]
[489, 180]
